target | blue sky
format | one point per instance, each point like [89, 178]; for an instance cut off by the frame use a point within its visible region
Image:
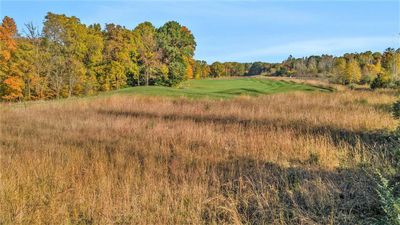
[242, 31]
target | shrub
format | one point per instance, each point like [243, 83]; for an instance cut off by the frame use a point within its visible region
[314, 159]
[390, 203]
[396, 109]
[380, 81]
[351, 86]
[396, 114]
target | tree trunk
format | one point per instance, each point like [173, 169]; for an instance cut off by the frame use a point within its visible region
[147, 78]
[29, 89]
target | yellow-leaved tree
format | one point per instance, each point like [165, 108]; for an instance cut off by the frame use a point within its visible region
[353, 72]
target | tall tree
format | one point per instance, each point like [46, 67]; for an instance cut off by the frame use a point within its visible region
[178, 45]
[93, 58]
[34, 51]
[11, 83]
[217, 69]
[201, 69]
[8, 45]
[66, 37]
[340, 69]
[352, 72]
[148, 53]
[118, 55]
[24, 67]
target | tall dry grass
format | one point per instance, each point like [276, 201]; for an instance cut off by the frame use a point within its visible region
[279, 159]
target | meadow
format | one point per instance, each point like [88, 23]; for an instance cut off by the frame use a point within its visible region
[237, 151]
[221, 88]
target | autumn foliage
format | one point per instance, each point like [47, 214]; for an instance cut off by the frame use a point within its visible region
[68, 58]
[11, 84]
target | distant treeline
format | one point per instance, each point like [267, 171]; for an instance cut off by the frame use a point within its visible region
[68, 58]
[379, 70]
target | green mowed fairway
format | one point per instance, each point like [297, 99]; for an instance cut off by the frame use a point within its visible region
[221, 88]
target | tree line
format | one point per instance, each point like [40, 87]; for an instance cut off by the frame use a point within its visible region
[68, 58]
[379, 70]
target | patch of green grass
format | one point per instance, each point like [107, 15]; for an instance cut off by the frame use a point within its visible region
[220, 88]
[206, 88]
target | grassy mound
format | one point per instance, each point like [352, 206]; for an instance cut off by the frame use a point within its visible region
[221, 88]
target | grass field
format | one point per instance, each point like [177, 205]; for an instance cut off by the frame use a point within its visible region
[221, 88]
[285, 158]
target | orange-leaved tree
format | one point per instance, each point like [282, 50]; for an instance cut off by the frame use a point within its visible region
[11, 84]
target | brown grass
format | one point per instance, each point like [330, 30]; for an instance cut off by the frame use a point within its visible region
[278, 159]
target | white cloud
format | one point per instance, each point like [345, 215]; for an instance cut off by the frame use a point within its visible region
[334, 46]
